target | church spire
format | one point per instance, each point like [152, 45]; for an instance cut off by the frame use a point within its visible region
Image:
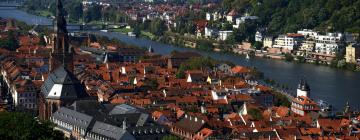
[60, 22]
[61, 54]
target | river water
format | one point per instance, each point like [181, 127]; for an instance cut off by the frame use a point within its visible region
[332, 85]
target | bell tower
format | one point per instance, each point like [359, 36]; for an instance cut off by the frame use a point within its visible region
[62, 54]
[303, 89]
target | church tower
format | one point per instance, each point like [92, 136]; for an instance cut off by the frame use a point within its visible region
[303, 89]
[61, 54]
[61, 88]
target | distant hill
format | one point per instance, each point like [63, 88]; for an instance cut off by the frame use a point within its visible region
[281, 16]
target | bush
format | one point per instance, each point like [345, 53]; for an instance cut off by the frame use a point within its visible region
[300, 59]
[289, 57]
[257, 45]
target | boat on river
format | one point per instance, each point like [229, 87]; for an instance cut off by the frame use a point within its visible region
[247, 57]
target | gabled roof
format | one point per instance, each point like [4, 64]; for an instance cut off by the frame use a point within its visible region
[190, 124]
[73, 117]
[62, 84]
[123, 109]
[111, 131]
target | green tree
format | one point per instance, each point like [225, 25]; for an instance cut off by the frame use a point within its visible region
[255, 114]
[205, 45]
[11, 42]
[157, 27]
[257, 45]
[170, 137]
[93, 13]
[289, 57]
[21, 126]
[137, 31]
[74, 9]
[197, 63]
[281, 100]
[151, 84]
[42, 40]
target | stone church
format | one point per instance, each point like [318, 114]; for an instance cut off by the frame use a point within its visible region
[61, 88]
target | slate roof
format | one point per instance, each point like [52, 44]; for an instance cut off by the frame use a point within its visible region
[111, 131]
[70, 89]
[73, 117]
[123, 109]
[95, 118]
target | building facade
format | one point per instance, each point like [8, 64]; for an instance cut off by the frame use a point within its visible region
[327, 44]
[353, 53]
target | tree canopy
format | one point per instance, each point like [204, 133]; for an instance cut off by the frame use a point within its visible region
[280, 16]
[10, 42]
[21, 126]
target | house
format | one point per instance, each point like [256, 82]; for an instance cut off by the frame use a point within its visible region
[240, 70]
[223, 67]
[288, 42]
[258, 36]
[217, 16]
[307, 46]
[25, 94]
[200, 25]
[208, 16]
[195, 77]
[219, 94]
[328, 44]
[353, 53]
[302, 105]
[159, 117]
[231, 16]
[188, 127]
[245, 18]
[130, 54]
[268, 42]
[223, 35]
[211, 33]
[308, 33]
[264, 98]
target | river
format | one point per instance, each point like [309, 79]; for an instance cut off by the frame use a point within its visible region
[332, 85]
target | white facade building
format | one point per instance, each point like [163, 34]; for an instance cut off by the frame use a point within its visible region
[208, 16]
[209, 33]
[308, 33]
[223, 35]
[289, 42]
[327, 44]
[258, 36]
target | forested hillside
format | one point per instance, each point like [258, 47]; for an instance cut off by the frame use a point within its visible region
[280, 16]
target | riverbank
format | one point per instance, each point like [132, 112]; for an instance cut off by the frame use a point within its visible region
[332, 85]
[209, 45]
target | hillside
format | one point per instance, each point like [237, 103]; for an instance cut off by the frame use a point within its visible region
[280, 16]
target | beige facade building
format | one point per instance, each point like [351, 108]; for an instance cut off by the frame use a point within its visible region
[268, 42]
[353, 53]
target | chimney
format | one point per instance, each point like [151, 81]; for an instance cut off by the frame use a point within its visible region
[124, 124]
